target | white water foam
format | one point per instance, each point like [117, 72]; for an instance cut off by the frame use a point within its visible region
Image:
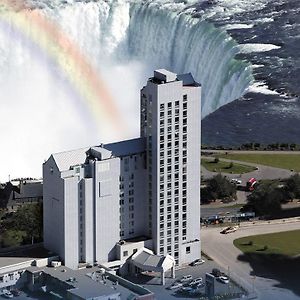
[125, 41]
[248, 48]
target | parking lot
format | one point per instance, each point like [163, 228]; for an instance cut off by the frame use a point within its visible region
[152, 282]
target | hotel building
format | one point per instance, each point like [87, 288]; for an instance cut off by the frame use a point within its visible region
[137, 199]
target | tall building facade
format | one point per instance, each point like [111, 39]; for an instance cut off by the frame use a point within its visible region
[170, 123]
[145, 191]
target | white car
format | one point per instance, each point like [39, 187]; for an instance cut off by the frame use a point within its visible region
[196, 281]
[175, 285]
[229, 229]
[236, 181]
[186, 278]
[223, 279]
[7, 294]
[197, 262]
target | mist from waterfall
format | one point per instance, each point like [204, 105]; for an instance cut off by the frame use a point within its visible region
[125, 41]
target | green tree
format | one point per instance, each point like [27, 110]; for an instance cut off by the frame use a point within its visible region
[29, 218]
[292, 186]
[266, 199]
[219, 187]
[12, 238]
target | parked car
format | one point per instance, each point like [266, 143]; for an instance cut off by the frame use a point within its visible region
[236, 181]
[7, 294]
[229, 229]
[186, 278]
[185, 289]
[175, 285]
[196, 281]
[197, 262]
[223, 279]
[216, 272]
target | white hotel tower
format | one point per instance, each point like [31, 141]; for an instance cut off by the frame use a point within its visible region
[133, 201]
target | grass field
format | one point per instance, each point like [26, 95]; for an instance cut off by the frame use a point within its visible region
[224, 167]
[285, 243]
[284, 161]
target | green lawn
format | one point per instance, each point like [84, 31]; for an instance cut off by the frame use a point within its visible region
[223, 167]
[279, 160]
[285, 243]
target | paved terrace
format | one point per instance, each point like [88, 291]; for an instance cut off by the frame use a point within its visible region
[89, 283]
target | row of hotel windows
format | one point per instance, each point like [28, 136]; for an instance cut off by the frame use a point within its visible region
[170, 104]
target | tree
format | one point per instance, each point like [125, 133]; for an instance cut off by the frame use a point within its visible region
[292, 186]
[219, 187]
[29, 218]
[266, 199]
[12, 238]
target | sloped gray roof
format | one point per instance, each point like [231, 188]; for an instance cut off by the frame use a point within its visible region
[127, 147]
[64, 160]
[187, 79]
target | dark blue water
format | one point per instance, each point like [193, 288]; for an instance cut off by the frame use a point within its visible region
[258, 117]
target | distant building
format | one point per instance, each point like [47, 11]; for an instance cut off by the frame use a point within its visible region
[16, 193]
[136, 198]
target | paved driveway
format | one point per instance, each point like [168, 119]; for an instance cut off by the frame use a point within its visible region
[220, 248]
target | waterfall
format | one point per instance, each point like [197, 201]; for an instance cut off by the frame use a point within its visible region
[137, 35]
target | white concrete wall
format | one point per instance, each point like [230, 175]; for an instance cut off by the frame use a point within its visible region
[53, 208]
[106, 185]
[89, 221]
[133, 221]
[71, 221]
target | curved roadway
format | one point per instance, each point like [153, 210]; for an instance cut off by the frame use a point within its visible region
[221, 249]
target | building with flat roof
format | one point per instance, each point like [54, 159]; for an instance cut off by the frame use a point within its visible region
[106, 203]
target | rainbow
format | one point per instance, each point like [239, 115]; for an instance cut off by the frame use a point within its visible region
[58, 47]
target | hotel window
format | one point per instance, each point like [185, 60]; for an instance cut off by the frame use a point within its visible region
[125, 253]
[188, 250]
[184, 97]
[162, 106]
[177, 103]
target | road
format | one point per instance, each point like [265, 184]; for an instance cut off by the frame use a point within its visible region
[220, 248]
[263, 172]
[250, 151]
